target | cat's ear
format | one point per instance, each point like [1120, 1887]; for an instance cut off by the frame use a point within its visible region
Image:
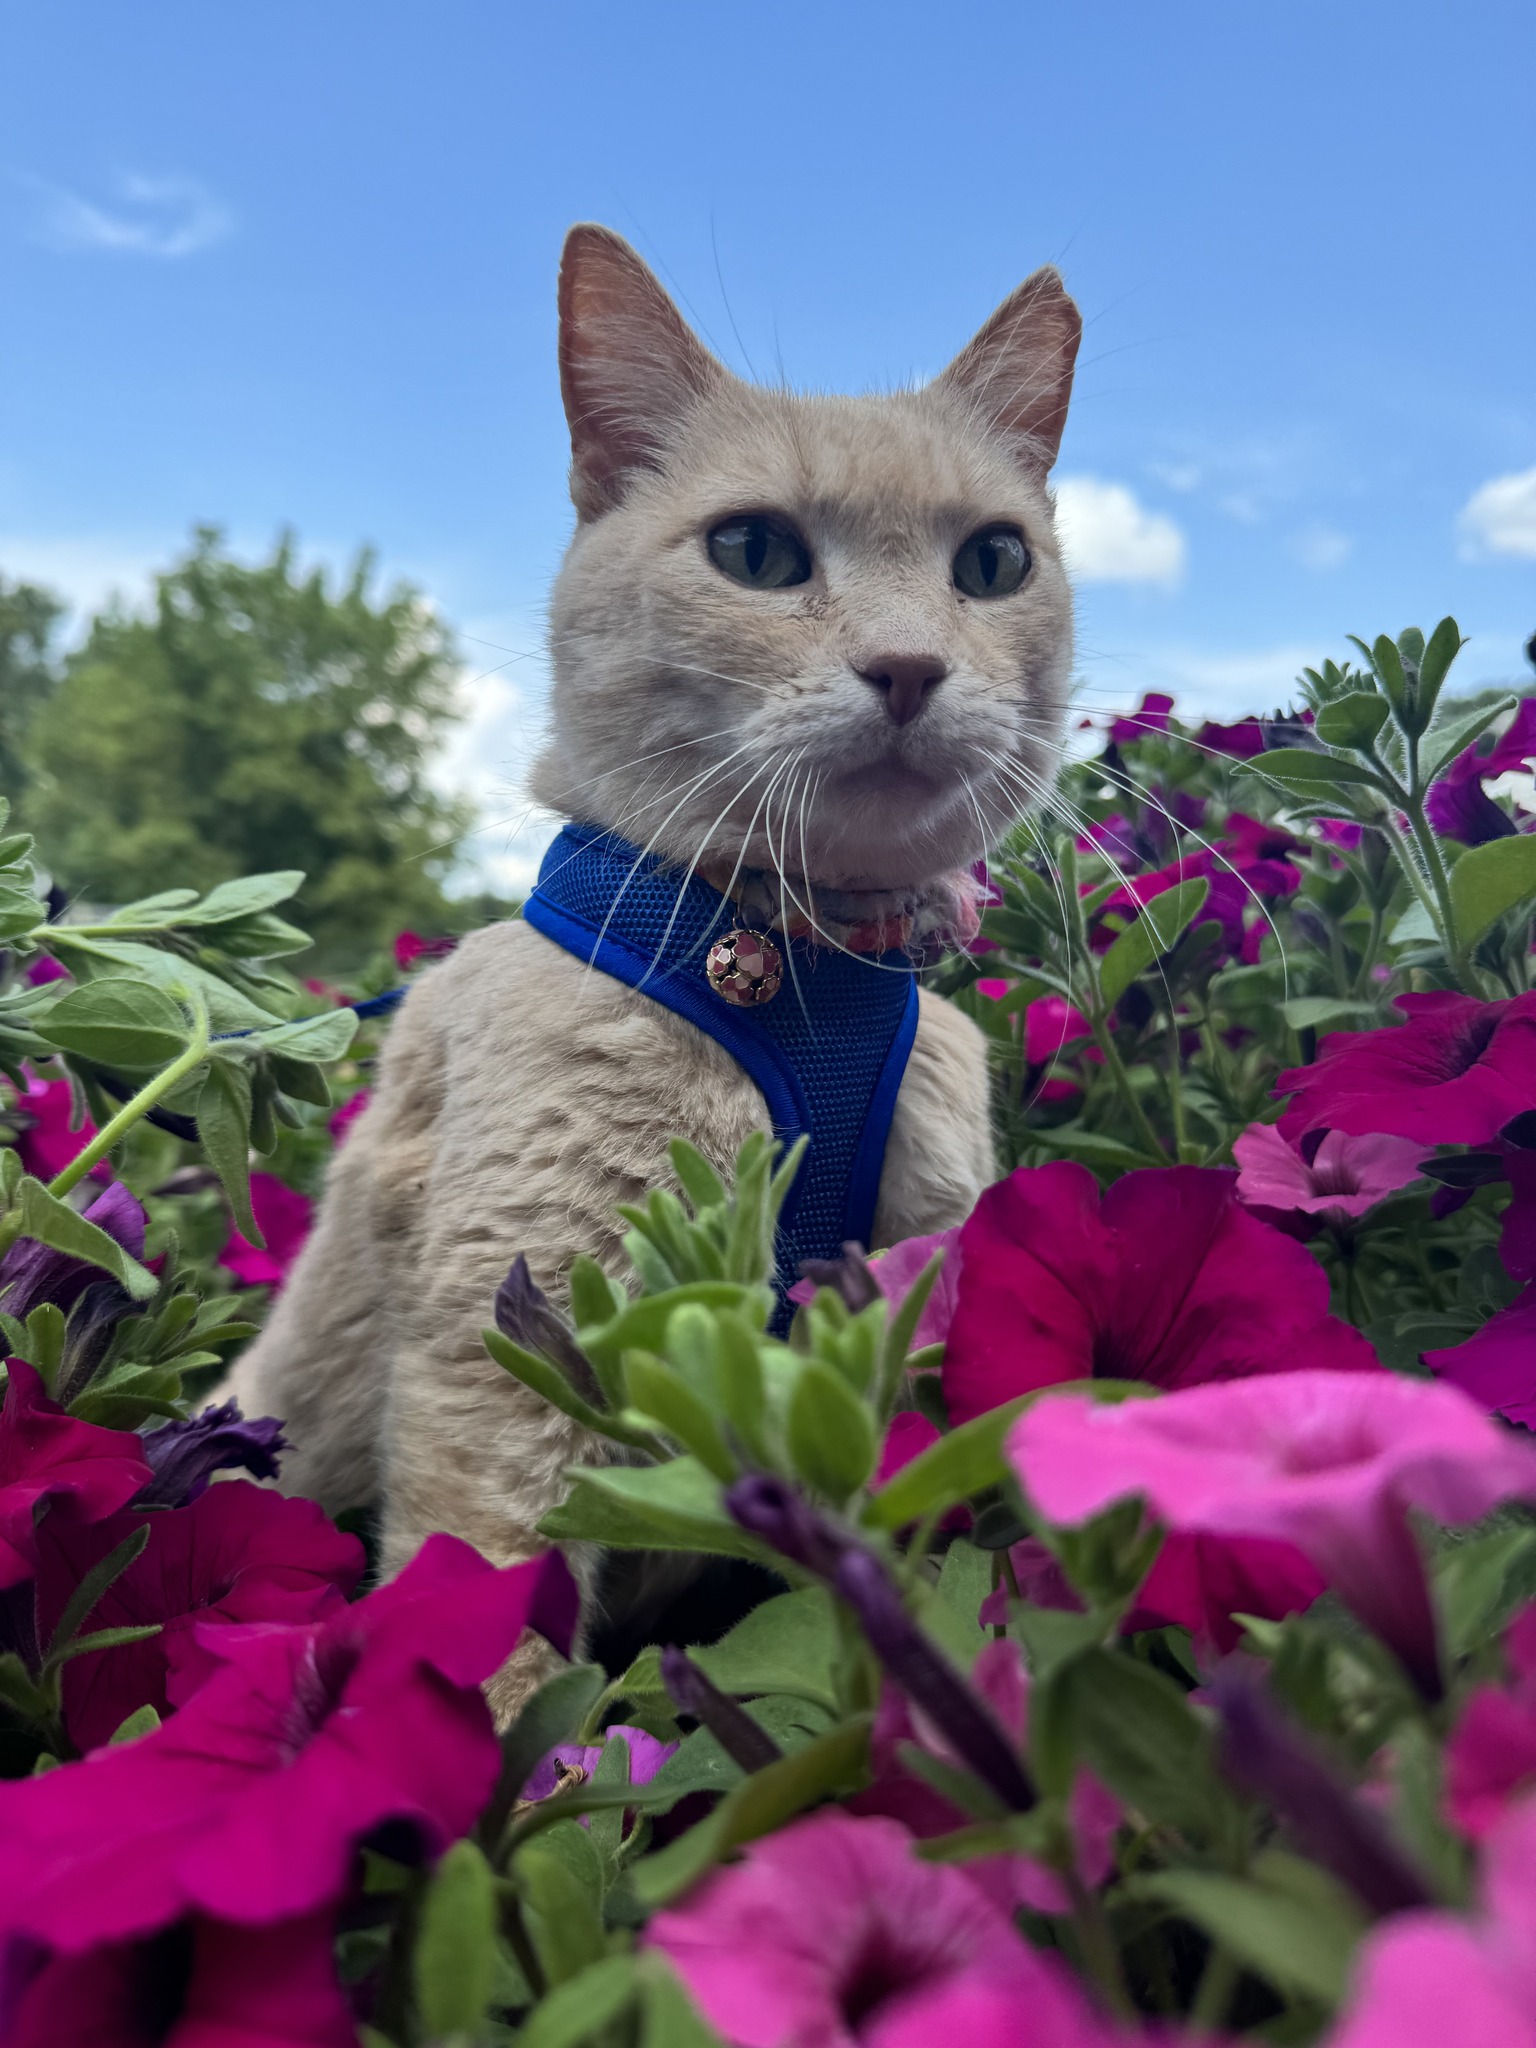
[1017, 372]
[630, 366]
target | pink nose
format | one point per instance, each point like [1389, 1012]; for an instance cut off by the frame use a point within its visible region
[904, 680]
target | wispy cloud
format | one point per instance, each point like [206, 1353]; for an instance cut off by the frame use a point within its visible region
[166, 218]
[1110, 537]
[1500, 518]
[1321, 548]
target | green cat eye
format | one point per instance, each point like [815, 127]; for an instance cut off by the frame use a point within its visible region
[992, 562]
[762, 553]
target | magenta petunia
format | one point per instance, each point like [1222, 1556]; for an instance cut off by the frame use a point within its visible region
[1167, 1279]
[1242, 740]
[1491, 1753]
[647, 1754]
[1458, 805]
[283, 1216]
[1453, 1074]
[411, 947]
[250, 1802]
[205, 1985]
[1342, 1179]
[999, 1677]
[1330, 1462]
[238, 1554]
[1497, 1364]
[46, 1455]
[1050, 2012]
[829, 1931]
[1150, 716]
[342, 1118]
[46, 1142]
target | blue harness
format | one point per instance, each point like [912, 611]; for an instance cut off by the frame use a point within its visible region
[828, 1052]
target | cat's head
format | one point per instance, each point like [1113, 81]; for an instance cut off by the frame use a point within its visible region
[826, 636]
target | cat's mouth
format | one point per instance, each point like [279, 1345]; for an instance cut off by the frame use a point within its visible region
[891, 776]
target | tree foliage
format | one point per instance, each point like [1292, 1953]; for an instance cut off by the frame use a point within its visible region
[28, 616]
[257, 720]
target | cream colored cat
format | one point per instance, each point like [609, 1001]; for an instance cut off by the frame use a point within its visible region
[879, 715]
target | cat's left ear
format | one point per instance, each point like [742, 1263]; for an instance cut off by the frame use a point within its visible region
[1017, 372]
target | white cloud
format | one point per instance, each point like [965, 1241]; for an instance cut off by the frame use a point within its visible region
[162, 217]
[1109, 537]
[1321, 548]
[489, 753]
[1500, 517]
[1203, 683]
[87, 572]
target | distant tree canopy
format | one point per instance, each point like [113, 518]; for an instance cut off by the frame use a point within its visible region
[28, 675]
[255, 721]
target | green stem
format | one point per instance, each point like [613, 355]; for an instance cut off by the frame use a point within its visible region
[1217, 1984]
[138, 1106]
[1175, 1088]
[1115, 1067]
[1100, 1955]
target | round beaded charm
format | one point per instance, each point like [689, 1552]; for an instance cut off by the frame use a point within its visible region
[745, 968]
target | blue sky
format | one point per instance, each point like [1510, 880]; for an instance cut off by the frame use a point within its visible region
[295, 265]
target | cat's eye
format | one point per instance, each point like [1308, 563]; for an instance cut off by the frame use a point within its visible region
[762, 553]
[992, 563]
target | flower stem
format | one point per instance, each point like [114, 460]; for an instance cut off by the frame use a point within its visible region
[138, 1106]
[1100, 1955]
[1218, 1981]
[1115, 1067]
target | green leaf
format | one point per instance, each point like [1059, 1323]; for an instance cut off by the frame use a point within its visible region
[92, 959]
[119, 1023]
[142, 1721]
[1388, 664]
[53, 1223]
[1445, 742]
[1300, 1928]
[550, 1717]
[664, 1395]
[788, 1645]
[1302, 768]
[1089, 1145]
[317, 1039]
[830, 1433]
[675, 1506]
[1311, 1013]
[574, 2011]
[560, 1878]
[1416, 926]
[1479, 1583]
[1488, 880]
[550, 1384]
[699, 1180]
[963, 1463]
[1445, 643]
[102, 1639]
[243, 897]
[671, 2018]
[1353, 720]
[1136, 1731]
[1154, 933]
[757, 1806]
[99, 1580]
[224, 1126]
[454, 1959]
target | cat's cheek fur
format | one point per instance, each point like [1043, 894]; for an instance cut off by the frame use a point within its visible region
[519, 1097]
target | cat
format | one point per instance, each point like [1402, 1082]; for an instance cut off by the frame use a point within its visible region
[833, 627]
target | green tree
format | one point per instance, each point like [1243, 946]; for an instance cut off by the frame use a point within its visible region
[256, 721]
[28, 674]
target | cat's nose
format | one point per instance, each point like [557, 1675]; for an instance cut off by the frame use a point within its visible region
[905, 681]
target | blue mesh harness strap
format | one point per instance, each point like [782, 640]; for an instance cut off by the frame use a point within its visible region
[828, 1052]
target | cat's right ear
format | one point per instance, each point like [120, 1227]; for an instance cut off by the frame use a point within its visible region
[630, 366]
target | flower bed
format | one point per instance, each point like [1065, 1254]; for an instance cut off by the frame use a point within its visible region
[1156, 1657]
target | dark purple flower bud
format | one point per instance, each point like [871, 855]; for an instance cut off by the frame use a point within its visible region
[88, 1335]
[525, 1314]
[33, 1273]
[1290, 729]
[850, 1275]
[743, 1741]
[928, 1681]
[1459, 807]
[1263, 1756]
[1445, 1202]
[185, 1455]
[772, 1509]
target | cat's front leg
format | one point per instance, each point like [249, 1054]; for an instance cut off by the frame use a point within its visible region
[939, 1154]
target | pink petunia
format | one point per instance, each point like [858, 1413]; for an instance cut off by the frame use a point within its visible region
[341, 1119]
[647, 1754]
[1150, 716]
[894, 1271]
[250, 1802]
[46, 1142]
[46, 1455]
[831, 1930]
[999, 1677]
[1052, 2013]
[225, 1987]
[237, 1554]
[1167, 1279]
[1492, 1750]
[283, 1216]
[411, 947]
[1453, 1074]
[1343, 1178]
[1330, 1462]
